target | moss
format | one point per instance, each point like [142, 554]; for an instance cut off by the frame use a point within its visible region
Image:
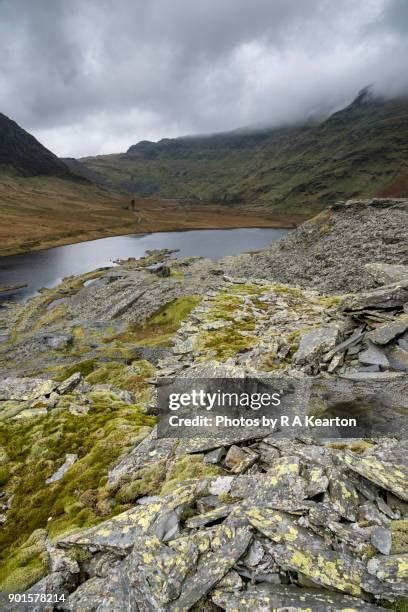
[225, 343]
[28, 564]
[357, 446]
[328, 301]
[226, 498]
[288, 291]
[176, 274]
[128, 378]
[190, 466]
[58, 313]
[4, 475]
[146, 481]
[158, 330]
[37, 448]
[118, 351]
[397, 606]
[85, 367]
[399, 531]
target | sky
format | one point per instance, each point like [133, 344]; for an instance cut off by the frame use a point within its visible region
[89, 77]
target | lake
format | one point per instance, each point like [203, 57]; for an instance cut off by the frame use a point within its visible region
[47, 268]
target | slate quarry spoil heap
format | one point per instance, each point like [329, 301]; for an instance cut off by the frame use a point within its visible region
[97, 508]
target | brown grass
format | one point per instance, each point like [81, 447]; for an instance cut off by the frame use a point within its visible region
[38, 213]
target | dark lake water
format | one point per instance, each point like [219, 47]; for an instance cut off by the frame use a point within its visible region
[47, 268]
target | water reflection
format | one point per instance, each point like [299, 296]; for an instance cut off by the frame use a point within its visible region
[47, 268]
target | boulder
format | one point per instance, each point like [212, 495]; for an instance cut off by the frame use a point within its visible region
[313, 344]
[385, 274]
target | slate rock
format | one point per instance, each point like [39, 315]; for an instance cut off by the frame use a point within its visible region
[213, 568]
[25, 389]
[385, 274]
[70, 459]
[314, 343]
[387, 332]
[389, 296]
[390, 476]
[69, 383]
[381, 540]
[374, 356]
[290, 598]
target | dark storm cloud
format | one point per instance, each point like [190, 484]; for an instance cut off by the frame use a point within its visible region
[98, 75]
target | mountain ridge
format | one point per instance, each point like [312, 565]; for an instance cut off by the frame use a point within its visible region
[24, 155]
[358, 151]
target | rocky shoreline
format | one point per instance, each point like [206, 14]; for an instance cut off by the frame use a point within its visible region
[97, 508]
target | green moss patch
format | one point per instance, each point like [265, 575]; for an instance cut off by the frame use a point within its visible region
[37, 448]
[146, 481]
[159, 329]
[28, 565]
[184, 468]
[121, 376]
[85, 367]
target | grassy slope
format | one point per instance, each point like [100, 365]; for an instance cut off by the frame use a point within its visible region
[41, 212]
[359, 151]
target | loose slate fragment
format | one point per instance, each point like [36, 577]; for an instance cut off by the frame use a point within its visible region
[387, 332]
[389, 296]
[25, 389]
[209, 517]
[381, 540]
[150, 450]
[277, 597]
[215, 456]
[282, 528]
[387, 273]
[281, 487]
[327, 568]
[343, 495]
[349, 342]
[214, 567]
[374, 356]
[119, 533]
[70, 459]
[393, 477]
[393, 573]
[156, 572]
[317, 481]
[316, 342]
[89, 595]
[238, 460]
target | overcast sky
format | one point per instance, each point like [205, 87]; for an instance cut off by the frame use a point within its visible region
[95, 76]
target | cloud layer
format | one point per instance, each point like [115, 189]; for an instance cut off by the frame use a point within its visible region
[97, 76]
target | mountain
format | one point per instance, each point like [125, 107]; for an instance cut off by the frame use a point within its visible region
[359, 151]
[22, 154]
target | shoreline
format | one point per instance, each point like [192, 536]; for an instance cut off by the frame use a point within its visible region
[99, 234]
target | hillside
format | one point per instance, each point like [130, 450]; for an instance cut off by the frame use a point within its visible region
[360, 151]
[22, 154]
[45, 201]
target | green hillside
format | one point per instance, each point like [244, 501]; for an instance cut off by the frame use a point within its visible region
[360, 151]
